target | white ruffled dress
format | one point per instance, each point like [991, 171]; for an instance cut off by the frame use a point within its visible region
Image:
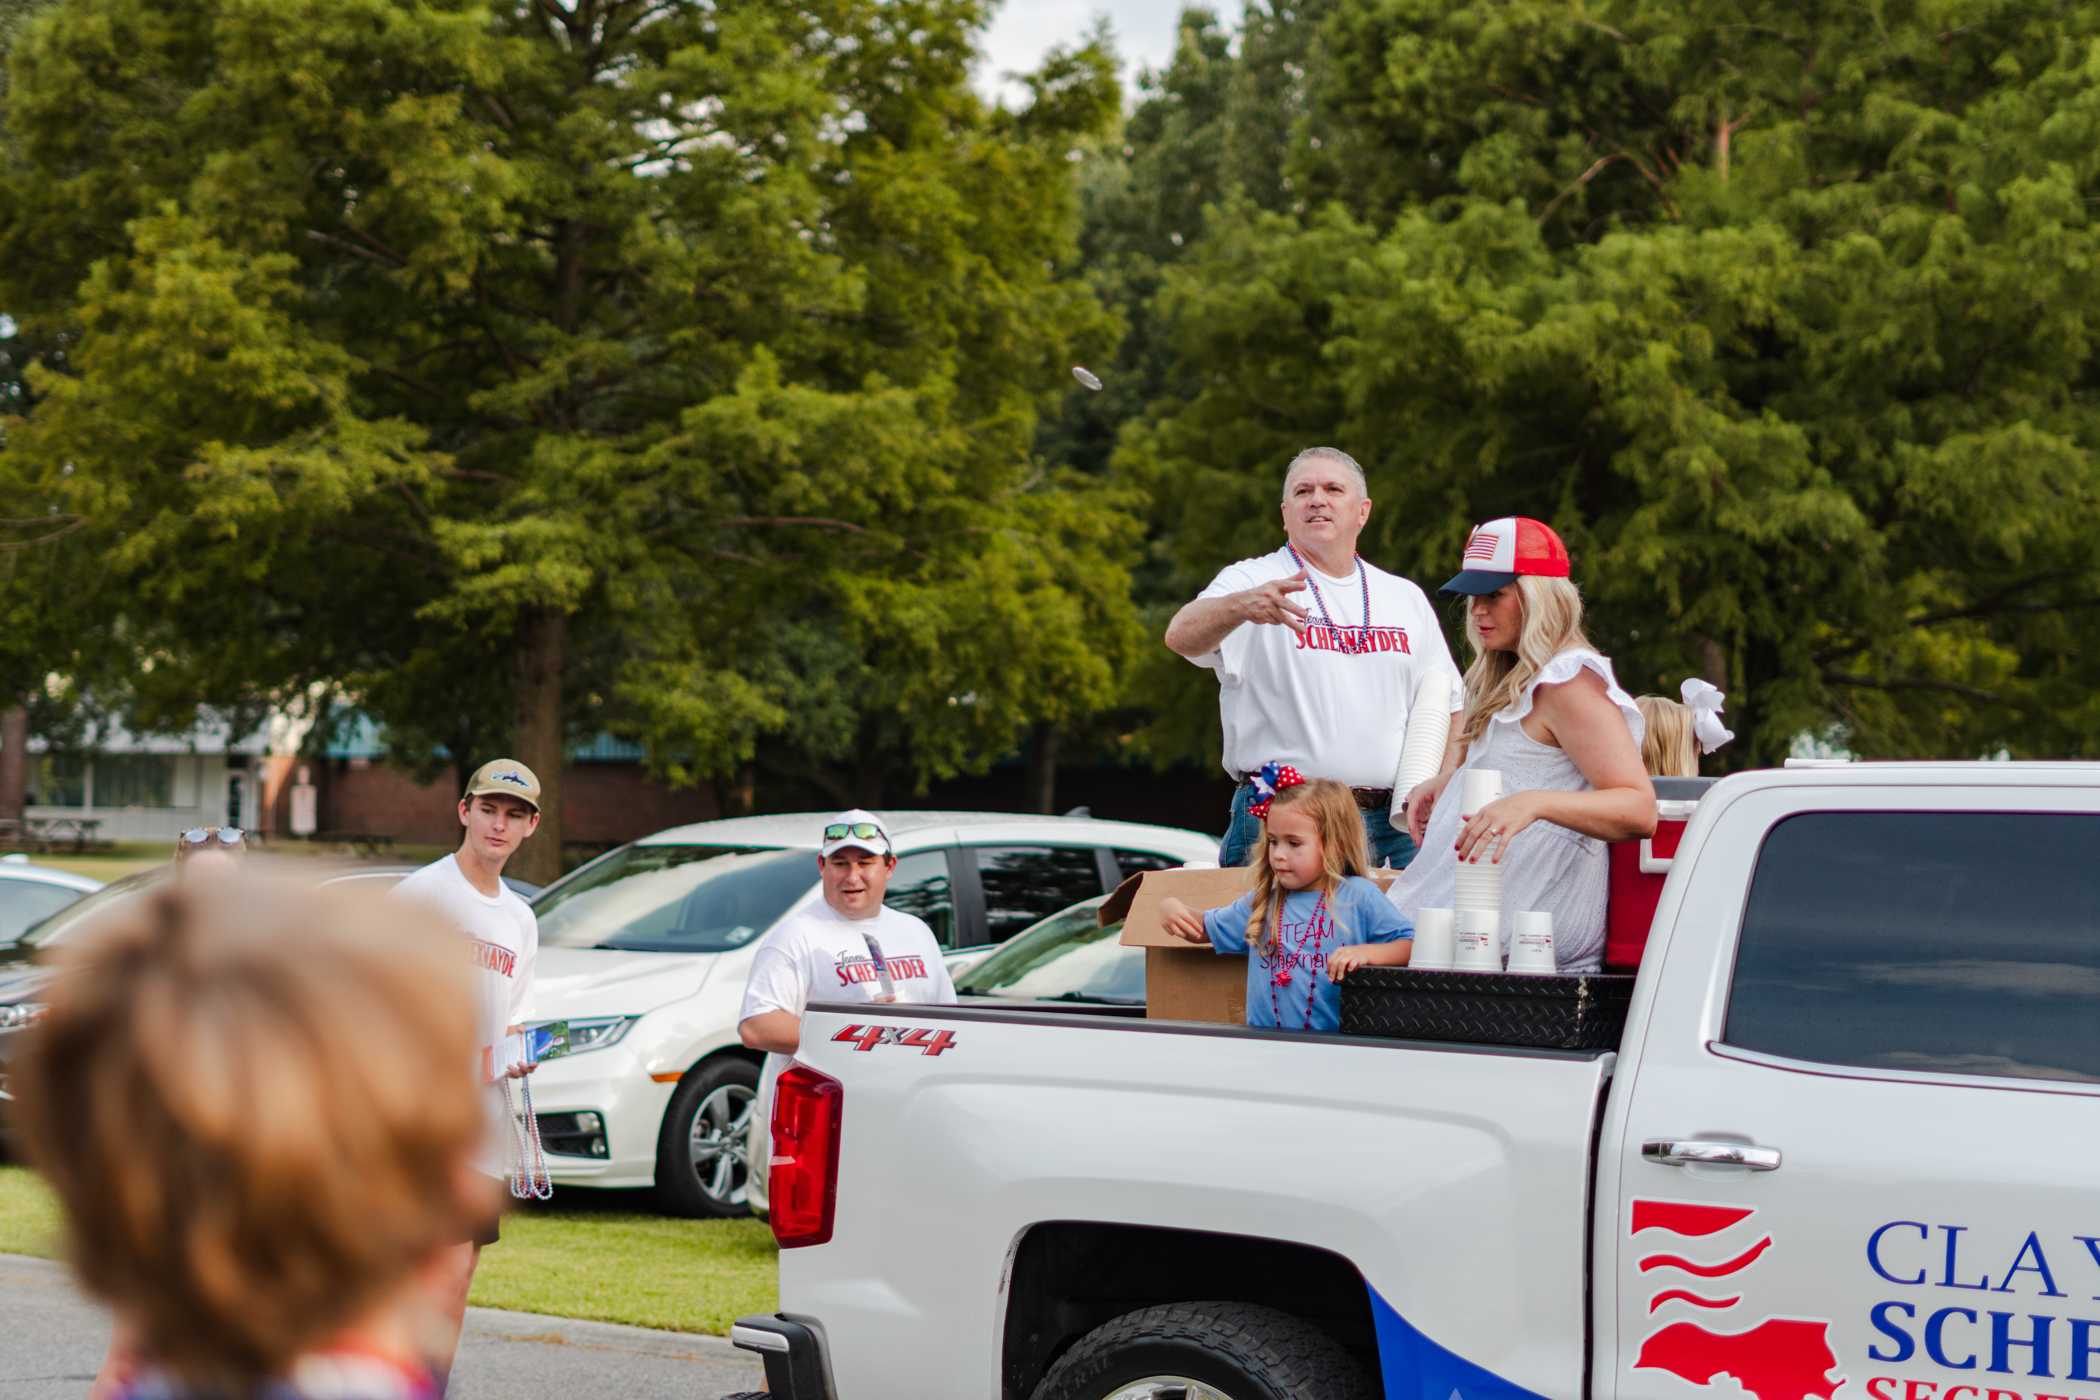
[1547, 867]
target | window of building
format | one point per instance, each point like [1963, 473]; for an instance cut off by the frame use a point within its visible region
[58, 780]
[1937, 942]
[134, 780]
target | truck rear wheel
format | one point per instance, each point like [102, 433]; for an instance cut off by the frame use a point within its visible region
[1206, 1351]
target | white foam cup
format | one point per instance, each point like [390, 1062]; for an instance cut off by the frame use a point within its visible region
[1531, 942]
[1481, 786]
[1479, 940]
[1436, 946]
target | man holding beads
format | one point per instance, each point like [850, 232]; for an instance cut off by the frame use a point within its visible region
[1318, 655]
[498, 812]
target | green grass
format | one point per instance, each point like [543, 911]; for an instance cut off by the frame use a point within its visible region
[586, 1254]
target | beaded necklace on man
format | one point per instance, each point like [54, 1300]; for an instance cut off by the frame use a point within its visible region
[1316, 931]
[1363, 578]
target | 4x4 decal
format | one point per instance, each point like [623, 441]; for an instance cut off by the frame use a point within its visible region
[926, 1042]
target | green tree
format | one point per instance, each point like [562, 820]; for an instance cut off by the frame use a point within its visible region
[531, 368]
[1781, 315]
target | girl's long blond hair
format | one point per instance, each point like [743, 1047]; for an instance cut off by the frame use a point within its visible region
[1552, 624]
[1343, 852]
[1670, 748]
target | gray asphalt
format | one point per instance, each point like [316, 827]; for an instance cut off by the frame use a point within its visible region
[52, 1339]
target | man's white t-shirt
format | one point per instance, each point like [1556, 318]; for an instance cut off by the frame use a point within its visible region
[506, 940]
[1334, 701]
[818, 954]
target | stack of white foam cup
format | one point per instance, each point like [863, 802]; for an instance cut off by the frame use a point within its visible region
[1436, 947]
[1479, 882]
[1531, 943]
[1422, 751]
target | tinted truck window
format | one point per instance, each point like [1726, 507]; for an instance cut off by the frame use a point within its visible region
[1026, 883]
[1956, 942]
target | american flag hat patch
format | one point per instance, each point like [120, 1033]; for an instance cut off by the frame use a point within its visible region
[1499, 551]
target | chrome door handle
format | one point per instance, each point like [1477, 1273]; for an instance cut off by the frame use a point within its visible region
[1676, 1152]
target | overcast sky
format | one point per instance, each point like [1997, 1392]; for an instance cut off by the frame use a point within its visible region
[1023, 29]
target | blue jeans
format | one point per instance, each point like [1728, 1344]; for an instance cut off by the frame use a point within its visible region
[1390, 845]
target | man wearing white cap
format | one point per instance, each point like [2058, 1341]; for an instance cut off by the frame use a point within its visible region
[1319, 656]
[848, 947]
[498, 813]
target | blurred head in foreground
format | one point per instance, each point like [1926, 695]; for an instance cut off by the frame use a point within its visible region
[256, 1103]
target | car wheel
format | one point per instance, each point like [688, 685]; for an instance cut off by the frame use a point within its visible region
[702, 1168]
[1206, 1351]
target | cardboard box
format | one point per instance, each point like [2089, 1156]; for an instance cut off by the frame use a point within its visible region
[1187, 981]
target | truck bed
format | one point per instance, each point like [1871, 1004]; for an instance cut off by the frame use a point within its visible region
[1463, 1170]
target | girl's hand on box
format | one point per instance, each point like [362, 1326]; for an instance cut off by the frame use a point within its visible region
[1181, 921]
[1342, 961]
[1488, 832]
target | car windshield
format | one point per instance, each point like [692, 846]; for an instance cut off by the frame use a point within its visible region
[1068, 957]
[61, 925]
[675, 899]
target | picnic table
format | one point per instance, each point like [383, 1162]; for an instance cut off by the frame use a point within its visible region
[50, 833]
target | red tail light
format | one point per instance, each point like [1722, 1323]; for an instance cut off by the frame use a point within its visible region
[803, 1186]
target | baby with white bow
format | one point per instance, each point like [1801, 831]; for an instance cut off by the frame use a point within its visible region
[1679, 733]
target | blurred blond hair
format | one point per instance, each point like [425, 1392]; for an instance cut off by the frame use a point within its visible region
[1670, 748]
[1343, 850]
[255, 1100]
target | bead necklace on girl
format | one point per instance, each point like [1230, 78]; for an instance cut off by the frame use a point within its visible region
[1312, 913]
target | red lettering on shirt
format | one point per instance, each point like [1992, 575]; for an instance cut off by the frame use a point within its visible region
[1354, 641]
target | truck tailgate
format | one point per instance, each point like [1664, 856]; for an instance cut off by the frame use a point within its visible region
[1455, 1178]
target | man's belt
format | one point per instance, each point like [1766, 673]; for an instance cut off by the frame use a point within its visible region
[1367, 799]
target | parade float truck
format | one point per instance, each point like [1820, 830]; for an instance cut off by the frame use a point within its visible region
[1845, 1145]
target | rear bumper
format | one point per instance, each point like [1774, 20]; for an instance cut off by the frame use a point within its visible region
[797, 1367]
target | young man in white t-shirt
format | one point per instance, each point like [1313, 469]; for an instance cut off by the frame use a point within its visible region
[849, 947]
[1318, 655]
[499, 812]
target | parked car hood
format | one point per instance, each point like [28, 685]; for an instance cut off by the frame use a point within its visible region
[22, 982]
[568, 982]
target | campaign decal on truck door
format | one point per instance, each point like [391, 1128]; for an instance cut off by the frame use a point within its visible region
[1946, 1312]
[1697, 1257]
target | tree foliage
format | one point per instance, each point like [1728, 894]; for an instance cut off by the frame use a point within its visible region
[1782, 316]
[534, 368]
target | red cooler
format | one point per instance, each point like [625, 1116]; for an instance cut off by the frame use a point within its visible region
[1637, 871]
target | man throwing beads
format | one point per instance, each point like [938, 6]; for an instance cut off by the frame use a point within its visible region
[1318, 655]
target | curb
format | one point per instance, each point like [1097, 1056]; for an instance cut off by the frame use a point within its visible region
[504, 1325]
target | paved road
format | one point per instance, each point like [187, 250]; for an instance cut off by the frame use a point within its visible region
[51, 1341]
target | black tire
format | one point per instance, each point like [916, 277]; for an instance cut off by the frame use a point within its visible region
[1240, 1350]
[707, 1179]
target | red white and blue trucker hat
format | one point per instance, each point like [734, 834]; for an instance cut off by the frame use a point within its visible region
[1498, 552]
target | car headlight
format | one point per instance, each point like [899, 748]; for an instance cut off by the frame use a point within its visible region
[597, 1032]
[21, 1013]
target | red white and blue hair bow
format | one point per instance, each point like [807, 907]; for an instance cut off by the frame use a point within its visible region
[1270, 780]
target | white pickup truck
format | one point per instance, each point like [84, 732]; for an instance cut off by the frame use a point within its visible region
[1848, 1145]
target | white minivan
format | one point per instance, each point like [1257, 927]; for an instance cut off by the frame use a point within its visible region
[644, 952]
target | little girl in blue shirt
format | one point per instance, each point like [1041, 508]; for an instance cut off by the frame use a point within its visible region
[1311, 916]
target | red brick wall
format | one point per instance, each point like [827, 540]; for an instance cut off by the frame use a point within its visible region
[602, 804]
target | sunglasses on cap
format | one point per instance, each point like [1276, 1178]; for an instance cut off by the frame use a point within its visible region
[201, 835]
[839, 831]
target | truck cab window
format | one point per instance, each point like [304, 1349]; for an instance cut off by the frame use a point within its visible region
[1942, 943]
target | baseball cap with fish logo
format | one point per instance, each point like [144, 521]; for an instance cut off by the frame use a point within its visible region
[505, 777]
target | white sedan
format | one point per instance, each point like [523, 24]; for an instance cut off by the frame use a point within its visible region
[644, 952]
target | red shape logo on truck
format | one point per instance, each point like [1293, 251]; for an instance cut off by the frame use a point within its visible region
[1778, 1358]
